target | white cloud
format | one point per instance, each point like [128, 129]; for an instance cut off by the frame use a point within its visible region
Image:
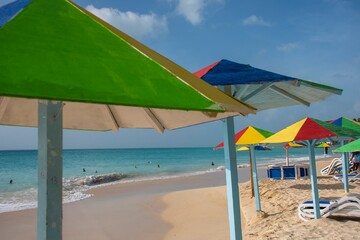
[255, 20]
[193, 10]
[288, 47]
[134, 24]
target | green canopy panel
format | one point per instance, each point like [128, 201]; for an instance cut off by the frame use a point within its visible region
[57, 50]
[350, 147]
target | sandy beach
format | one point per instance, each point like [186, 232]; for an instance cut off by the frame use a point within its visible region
[192, 207]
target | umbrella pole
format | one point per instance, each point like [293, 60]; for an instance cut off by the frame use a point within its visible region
[49, 214]
[255, 178]
[313, 178]
[345, 167]
[232, 180]
[251, 176]
[287, 156]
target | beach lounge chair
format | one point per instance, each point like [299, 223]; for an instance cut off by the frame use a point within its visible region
[353, 177]
[333, 167]
[348, 205]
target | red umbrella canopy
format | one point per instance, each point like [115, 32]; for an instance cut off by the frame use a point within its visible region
[308, 129]
[249, 135]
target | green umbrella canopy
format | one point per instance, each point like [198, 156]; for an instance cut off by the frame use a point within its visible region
[350, 147]
[57, 50]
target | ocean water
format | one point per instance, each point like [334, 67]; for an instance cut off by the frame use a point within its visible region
[107, 166]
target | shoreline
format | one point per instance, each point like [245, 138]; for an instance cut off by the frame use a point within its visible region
[135, 209]
[80, 192]
[131, 209]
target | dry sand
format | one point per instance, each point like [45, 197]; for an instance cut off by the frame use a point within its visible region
[202, 214]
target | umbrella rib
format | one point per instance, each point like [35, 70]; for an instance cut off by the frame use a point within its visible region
[289, 95]
[256, 92]
[3, 104]
[115, 125]
[154, 120]
[241, 91]
[321, 87]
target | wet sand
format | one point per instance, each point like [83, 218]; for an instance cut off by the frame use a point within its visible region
[120, 211]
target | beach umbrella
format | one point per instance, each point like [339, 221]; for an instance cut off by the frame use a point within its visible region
[309, 131]
[62, 67]
[325, 146]
[290, 145]
[98, 72]
[350, 147]
[264, 90]
[256, 148]
[250, 136]
[348, 124]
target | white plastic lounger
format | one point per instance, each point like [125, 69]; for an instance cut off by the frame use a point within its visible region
[346, 206]
[352, 177]
[332, 168]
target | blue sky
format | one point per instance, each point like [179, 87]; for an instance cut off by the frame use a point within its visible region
[316, 40]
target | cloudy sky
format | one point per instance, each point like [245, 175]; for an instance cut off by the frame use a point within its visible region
[316, 40]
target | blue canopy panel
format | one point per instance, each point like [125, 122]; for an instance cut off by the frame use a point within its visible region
[337, 122]
[9, 11]
[225, 72]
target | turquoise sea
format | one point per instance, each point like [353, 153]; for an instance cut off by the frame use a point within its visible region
[106, 166]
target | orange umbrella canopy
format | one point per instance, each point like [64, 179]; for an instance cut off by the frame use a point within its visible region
[249, 135]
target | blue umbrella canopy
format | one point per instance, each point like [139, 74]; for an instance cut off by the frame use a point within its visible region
[264, 89]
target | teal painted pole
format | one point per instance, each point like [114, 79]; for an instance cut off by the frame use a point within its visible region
[345, 167]
[49, 215]
[255, 178]
[232, 179]
[313, 178]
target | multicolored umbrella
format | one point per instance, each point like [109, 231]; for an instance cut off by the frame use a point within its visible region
[324, 145]
[57, 50]
[290, 145]
[264, 89]
[346, 123]
[309, 131]
[62, 67]
[256, 148]
[350, 147]
[250, 136]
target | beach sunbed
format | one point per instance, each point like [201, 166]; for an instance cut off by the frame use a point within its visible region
[353, 177]
[333, 167]
[348, 205]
